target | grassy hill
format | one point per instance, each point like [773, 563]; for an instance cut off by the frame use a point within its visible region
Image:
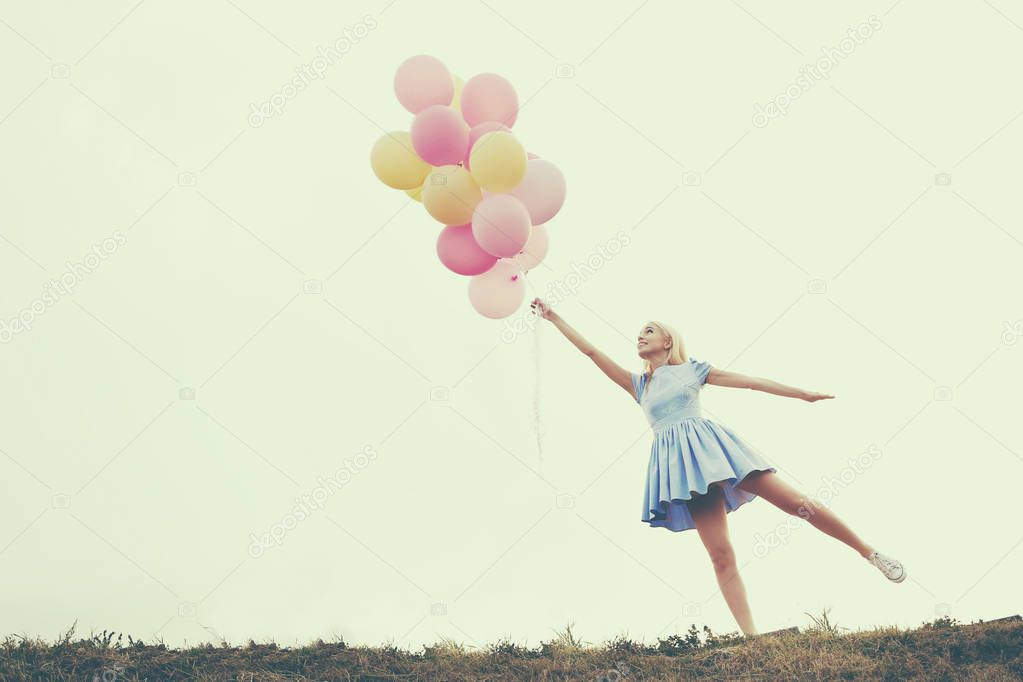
[943, 649]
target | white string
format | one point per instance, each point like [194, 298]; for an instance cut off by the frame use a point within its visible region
[537, 428]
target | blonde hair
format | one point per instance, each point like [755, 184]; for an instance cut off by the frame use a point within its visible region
[676, 354]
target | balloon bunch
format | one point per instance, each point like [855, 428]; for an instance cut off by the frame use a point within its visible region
[462, 161]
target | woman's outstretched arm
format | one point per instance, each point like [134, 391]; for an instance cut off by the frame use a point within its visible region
[613, 370]
[720, 377]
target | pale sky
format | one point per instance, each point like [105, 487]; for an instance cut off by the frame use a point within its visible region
[254, 311]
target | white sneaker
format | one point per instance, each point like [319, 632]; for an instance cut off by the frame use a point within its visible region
[892, 568]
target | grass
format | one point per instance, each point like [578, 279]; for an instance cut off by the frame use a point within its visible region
[943, 649]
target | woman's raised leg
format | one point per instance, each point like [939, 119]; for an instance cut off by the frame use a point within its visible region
[772, 488]
[709, 516]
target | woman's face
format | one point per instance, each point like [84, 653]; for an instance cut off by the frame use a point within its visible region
[652, 342]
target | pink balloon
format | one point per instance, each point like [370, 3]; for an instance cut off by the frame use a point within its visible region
[479, 131]
[499, 291]
[423, 81]
[439, 135]
[489, 97]
[535, 249]
[501, 225]
[531, 155]
[542, 190]
[459, 252]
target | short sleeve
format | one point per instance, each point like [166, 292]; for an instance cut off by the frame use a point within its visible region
[638, 380]
[702, 369]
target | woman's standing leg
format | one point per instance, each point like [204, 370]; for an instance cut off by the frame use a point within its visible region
[772, 488]
[709, 516]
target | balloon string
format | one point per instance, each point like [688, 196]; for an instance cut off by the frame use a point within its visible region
[536, 373]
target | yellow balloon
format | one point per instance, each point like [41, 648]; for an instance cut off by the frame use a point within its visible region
[450, 195]
[498, 162]
[396, 163]
[416, 193]
[456, 101]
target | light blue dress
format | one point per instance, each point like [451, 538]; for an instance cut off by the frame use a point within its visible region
[689, 452]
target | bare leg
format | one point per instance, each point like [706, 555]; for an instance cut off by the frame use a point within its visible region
[772, 488]
[709, 515]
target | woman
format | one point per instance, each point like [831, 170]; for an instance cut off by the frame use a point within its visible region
[699, 471]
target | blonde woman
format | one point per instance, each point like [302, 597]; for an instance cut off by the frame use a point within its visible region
[699, 470]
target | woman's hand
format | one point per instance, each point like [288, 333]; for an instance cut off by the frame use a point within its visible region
[812, 396]
[541, 308]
